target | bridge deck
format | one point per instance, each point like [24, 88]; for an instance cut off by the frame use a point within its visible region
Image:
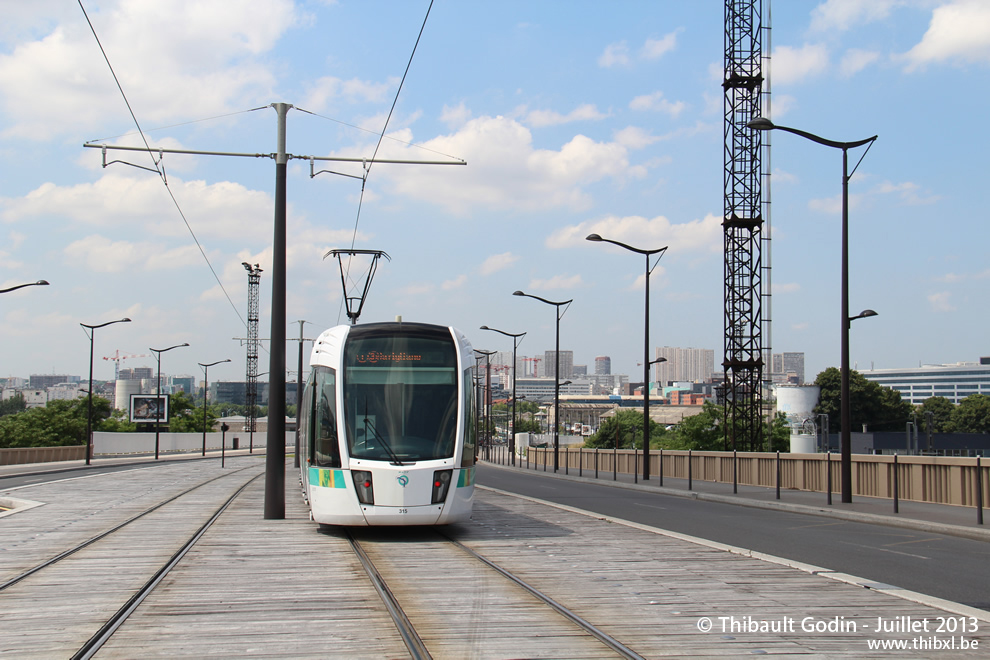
[279, 588]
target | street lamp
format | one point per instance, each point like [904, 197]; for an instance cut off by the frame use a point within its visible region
[515, 337]
[763, 124]
[595, 238]
[206, 386]
[89, 410]
[21, 286]
[486, 401]
[158, 409]
[556, 370]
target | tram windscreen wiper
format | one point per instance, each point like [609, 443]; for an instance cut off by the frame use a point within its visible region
[378, 436]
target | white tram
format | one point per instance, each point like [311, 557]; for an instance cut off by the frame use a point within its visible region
[388, 426]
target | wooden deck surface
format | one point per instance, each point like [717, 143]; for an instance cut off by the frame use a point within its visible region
[282, 589]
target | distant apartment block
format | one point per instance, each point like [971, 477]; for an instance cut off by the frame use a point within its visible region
[603, 365]
[566, 364]
[787, 368]
[44, 381]
[695, 365]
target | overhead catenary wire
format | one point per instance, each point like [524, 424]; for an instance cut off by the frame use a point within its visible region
[381, 137]
[161, 174]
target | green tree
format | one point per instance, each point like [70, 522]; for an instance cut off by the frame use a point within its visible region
[972, 415]
[14, 404]
[629, 423]
[527, 425]
[60, 423]
[117, 422]
[879, 408]
[941, 410]
[702, 432]
[780, 433]
[185, 417]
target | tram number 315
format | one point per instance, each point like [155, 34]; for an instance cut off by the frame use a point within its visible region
[403, 510]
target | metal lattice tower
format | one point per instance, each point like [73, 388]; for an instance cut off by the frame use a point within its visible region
[743, 225]
[254, 282]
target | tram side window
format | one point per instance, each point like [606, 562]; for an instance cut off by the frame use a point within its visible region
[470, 420]
[323, 419]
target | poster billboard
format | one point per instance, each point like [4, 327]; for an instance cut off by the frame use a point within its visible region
[148, 407]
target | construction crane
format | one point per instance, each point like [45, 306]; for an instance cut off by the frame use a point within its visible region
[536, 364]
[118, 357]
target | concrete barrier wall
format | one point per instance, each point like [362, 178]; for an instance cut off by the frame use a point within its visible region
[940, 479]
[144, 443]
[21, 455]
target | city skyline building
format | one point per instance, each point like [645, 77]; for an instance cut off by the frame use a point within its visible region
[695, 365]
[566, 364]
[955, 382]
[603, 365]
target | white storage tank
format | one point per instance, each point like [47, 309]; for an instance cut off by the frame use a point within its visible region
[797, 402]
[123, 391]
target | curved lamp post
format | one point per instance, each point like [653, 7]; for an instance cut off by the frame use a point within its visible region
[158, 409]
[206, 386]
[515, 344]
[487, 396]
[763, 124]
[21, 286]
[595, 238]
[89, 407]
[556, 370]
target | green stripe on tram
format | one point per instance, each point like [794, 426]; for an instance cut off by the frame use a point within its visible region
[327, 478]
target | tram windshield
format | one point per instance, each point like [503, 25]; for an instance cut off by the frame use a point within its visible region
[400, 394]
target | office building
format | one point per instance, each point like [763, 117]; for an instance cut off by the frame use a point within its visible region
[694, 365]
[787, 368]
[955, 382]
[566, 364]
[603, 365]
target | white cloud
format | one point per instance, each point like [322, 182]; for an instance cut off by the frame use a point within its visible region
[792, 65]
[843, 14]
[940, 302]
[656, 48]
[455, 283]
[615, 55]
[783, 288]
[556, 282]
[455, 117]
[855, 60]
[322, 93]
[541, 118]
[908, 192]
[958, 31]
[505, 171]
[633, 137]
[103, 255]
[497, 262]
[703, 235]
[169, 57]
[657, 102]
[221, 209]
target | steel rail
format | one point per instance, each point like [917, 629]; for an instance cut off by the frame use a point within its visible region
[71, 551]
[92, 646]
[587, 626]
[415, 645]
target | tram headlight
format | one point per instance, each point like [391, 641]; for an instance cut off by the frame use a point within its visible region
[441, 484]
[364, 486]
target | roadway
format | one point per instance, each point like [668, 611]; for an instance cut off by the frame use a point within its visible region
[935, 564]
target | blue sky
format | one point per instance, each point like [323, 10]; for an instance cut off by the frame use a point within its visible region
[574, 117]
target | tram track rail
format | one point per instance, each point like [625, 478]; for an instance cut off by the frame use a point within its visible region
[101, 579]
[94, 643]
[88, 542]
[419, 649]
